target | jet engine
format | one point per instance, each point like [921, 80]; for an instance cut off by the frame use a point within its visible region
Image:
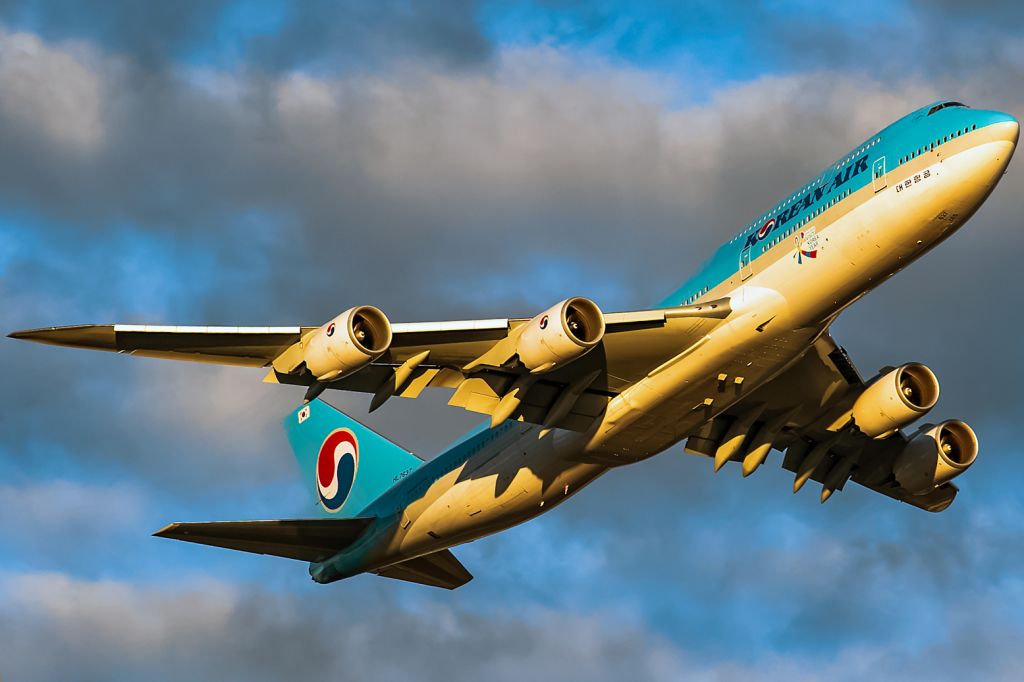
[934, 455]
[895, 400]
[347, 343]
[560, 334]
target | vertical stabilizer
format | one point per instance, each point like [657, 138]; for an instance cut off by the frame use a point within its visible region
[345, 464]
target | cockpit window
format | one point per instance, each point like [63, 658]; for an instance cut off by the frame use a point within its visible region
[944, 105]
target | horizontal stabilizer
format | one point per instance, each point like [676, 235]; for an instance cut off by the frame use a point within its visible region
[440, 569]
[303, 539]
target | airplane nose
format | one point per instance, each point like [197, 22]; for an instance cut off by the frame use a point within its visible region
[1012, 131]
[1006, 128]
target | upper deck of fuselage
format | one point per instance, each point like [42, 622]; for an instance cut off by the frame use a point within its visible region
[920, 131]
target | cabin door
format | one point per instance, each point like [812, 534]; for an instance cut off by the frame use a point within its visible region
[878, 180]
[745, 270]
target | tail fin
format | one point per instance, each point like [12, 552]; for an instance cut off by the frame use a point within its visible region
[345, 464]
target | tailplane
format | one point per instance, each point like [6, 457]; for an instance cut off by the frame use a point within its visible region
[344, 464]
[303, 539]
[440, 569]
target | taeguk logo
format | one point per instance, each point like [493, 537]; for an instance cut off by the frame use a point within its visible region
[336, 466]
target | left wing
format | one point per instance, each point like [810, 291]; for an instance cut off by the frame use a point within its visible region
[477, 358]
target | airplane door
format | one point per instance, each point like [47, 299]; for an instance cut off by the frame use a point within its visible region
[878, 180]
[745, 270]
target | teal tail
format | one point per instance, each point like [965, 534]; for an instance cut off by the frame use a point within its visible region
[345, 464]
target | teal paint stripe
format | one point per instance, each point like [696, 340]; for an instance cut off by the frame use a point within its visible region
[910, 133]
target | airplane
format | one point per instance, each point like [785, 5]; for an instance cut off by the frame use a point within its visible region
[736, 362]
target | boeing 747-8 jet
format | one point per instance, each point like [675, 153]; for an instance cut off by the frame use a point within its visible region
[736, 362]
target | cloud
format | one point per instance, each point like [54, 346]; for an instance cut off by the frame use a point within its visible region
[68, 108]
[353, 35]
[288, 182]
[44, 520]
[113, 630]
[108, 629]
[484, 182]
[265, 34]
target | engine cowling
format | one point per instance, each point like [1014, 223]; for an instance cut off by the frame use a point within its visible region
[347, 343]
[562, 333]
[936, 454]
[895, 400]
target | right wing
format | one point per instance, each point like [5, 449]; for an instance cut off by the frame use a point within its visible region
[801, 413]
[439, 569]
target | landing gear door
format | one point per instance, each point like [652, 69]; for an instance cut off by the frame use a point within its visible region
[745, 270]
[878, 181]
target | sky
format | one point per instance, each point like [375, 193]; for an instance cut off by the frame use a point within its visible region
[226, 162]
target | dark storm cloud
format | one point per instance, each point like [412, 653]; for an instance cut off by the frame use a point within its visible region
[996, 13]
[109, 629]
[265, 35]
[353, 34]
[295, 179]
[959, 47]
[243, 632]
[196, 195]
[150, 33]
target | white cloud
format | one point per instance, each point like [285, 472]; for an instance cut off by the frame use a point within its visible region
[113, 630]
[55, 90]
[385, 183]
[43, 521]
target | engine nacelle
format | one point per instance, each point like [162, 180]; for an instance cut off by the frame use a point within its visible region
[347, 343]
[895, 400]
[934, 455]
[560, 334]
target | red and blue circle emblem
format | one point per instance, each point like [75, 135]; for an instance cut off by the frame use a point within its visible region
[766, 228]
[336, 466]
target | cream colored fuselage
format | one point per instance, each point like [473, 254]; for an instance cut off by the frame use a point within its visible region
[781, 303]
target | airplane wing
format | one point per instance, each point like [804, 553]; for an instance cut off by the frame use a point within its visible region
[477, 358]
[801, 412]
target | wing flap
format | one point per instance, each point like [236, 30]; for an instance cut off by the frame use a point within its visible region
[302, 539]
[440, 569]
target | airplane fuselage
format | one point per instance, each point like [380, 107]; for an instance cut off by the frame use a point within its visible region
[788, 274]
